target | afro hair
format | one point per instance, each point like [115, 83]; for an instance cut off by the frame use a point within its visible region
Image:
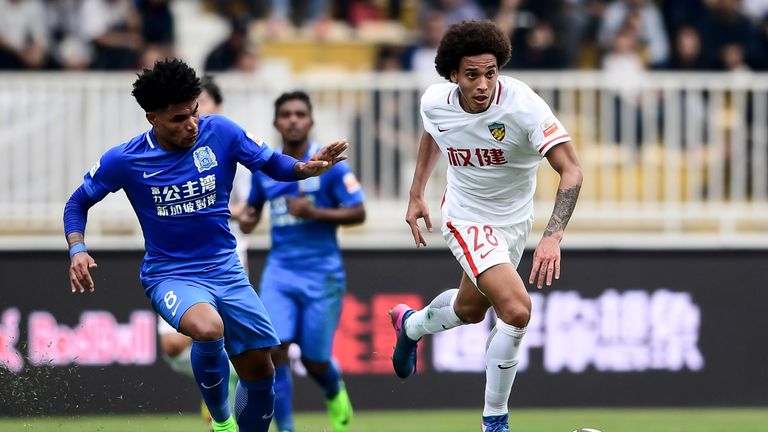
[470, 38]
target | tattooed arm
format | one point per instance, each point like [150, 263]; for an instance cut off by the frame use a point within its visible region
[546, 258]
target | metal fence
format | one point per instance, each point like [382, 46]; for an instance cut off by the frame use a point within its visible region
[669, 159]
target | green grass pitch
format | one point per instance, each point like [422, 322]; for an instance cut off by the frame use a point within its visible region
[522, 420]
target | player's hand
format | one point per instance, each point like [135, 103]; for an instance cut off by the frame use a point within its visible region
[546, 262]
[247, 219]
[418, 209]
[80, 278]
[300, 207]
[323, 160]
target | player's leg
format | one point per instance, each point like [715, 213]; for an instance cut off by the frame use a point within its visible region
[283, 388]
[277, 293]
[320, 313]
[506, 290]
[187, 305]
[176, 348]
[249, 336]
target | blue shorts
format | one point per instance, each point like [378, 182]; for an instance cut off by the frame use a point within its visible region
[305, 307]
[246, 323]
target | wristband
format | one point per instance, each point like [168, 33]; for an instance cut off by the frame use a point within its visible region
[80, 247]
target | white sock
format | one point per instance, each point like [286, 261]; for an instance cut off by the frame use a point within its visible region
[500, 366]
[436, 317]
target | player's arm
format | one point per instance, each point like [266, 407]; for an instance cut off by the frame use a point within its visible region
[75, 218]
[250, 217]
[426, 159]
[303, 208]
[546, 258]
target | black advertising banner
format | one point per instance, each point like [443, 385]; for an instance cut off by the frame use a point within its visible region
[620, 328]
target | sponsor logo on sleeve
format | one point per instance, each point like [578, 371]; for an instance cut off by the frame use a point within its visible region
[351, 183]
[549, 127]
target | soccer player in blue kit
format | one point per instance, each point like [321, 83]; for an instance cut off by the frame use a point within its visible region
[178, 176]
[303, 284]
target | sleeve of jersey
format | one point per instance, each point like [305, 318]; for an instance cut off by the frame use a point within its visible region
[346, 189]
[544, 129]
[424, 108]
[105, 176]
[250, 150]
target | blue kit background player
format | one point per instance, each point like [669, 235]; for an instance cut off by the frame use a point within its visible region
[178, 177]
[303, 284]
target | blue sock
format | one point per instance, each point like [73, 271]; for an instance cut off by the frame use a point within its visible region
[283, 398]
[330, 380]
[210, 366]
[255, 404]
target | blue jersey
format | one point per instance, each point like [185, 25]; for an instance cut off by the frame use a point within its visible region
[306, 242]
[181, 196]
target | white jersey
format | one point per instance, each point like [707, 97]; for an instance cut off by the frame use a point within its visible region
[492, 156]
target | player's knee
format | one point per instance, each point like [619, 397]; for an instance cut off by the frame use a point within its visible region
[517, 315]
[470, 314]
[206, 330]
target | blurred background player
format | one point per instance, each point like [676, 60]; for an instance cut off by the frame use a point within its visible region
[177, 177]
[494, 130]
[304, 281]
[175, 346]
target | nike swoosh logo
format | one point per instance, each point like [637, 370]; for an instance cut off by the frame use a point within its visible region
[505, 367]
[222, 379]
[482, 256]
[153, 174]
[266, 416]
[439, 129]
[173, 312]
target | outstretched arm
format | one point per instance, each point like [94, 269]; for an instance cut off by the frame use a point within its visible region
[546, 258]
[75, 218]
[427, 157]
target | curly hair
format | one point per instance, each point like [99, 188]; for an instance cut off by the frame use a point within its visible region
[294, 95]
[170, 81]
[470, 38]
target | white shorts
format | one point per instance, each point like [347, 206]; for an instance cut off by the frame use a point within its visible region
[478, 247]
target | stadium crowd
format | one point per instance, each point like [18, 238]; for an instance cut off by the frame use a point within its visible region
[617, 35]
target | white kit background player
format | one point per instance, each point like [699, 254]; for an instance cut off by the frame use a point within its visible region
[494, 131]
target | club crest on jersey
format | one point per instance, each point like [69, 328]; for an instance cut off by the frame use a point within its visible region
[497, 131]
[205, 159]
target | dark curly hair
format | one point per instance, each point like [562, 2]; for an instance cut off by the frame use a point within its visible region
[294, 95]
[470, 38]
[170, 81]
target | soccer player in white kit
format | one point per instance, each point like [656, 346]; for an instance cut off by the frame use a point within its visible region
[494, 130]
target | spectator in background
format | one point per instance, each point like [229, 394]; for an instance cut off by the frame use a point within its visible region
[687, 55]
[538, 50]
[644, 17]
[157, 23]
[285, 14]
[358, 12]
[454, 11]
[113, 27]
[23, 34]
[235, 53]
[733, 58]
[682, 13]
[68, 49]
[723, 25]
[421, 57]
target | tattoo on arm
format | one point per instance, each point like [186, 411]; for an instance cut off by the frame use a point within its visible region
[565, 202]
[75, 238]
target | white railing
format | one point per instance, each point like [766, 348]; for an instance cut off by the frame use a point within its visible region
[669, 159]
